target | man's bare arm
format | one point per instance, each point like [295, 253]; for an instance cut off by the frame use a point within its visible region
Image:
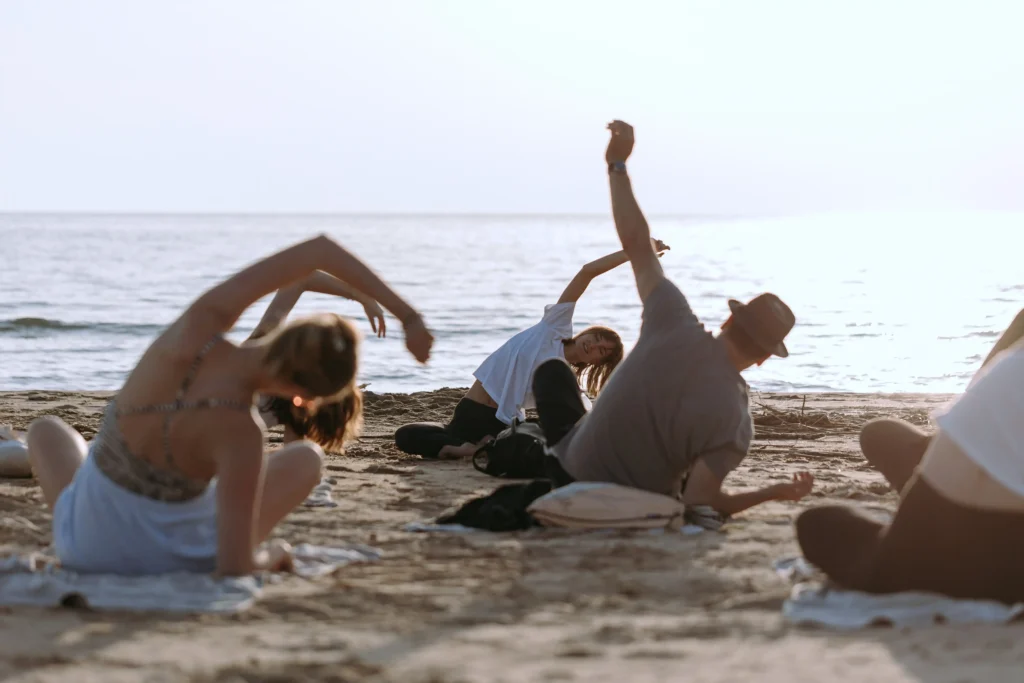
[630, 223]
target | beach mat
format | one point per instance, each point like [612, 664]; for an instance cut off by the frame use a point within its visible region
[431, 527]
[14, 461]
[38, 581]
[320, 497]
[812, 602]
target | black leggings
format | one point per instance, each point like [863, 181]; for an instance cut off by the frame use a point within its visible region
[559, 407]
[932, 544]
[471, 422]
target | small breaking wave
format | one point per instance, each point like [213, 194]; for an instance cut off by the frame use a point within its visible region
[42, 326]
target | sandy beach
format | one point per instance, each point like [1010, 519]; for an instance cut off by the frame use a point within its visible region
[537, 606]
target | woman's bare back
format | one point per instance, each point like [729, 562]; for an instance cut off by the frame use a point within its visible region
[183, 439]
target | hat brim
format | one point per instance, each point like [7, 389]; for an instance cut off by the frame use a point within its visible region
[737, 308]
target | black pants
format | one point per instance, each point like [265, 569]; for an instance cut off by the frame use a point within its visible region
[471, 422]
[559, 407]
[932, 544]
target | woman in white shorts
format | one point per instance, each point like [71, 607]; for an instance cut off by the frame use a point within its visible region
[960, 519]
[177, 478]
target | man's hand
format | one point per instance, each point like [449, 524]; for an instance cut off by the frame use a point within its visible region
[620, 146]
[417, 339]
[659, 247]
[375, 315]
[801, 485]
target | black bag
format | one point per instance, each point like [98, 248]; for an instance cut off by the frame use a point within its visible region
[515, 453]
[502, 510]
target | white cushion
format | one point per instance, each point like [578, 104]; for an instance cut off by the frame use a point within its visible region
[597, 505]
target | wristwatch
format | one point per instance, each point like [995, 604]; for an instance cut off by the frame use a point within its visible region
[617, 167]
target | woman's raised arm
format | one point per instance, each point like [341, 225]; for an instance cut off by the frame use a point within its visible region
[578, 285]
[220, 307]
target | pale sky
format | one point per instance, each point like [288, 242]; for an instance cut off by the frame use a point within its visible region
[741, 107]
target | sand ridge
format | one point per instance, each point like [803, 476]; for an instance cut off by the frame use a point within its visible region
[542, 605]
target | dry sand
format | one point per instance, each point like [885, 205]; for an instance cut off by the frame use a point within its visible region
[536, 606]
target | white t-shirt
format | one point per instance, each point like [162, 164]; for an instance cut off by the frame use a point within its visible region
[507, 374]
[987, 421]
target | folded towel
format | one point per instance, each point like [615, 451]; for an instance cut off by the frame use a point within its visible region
[321, 495]
[13, 454]
[811, 604]
[448, 528]
[813, 601]
[312, 561]
[687, 530]
[37, 581]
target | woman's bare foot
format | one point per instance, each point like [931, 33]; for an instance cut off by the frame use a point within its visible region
[466, 450]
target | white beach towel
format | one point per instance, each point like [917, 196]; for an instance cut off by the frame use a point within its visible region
[425, 527]
[810, 602]
[39, 582]
[13, 454]
[445, 528]
[321, 495]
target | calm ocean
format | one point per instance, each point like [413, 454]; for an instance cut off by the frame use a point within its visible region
[884, 302]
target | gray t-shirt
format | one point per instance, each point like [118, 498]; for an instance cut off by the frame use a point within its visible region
[676, 398]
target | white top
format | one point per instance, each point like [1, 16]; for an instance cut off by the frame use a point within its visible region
[987, 422]
[507, 374]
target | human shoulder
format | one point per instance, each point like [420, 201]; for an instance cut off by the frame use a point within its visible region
[237, 440]
[667, 309]
[558, 318]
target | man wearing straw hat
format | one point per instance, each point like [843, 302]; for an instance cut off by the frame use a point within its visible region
[677, 407]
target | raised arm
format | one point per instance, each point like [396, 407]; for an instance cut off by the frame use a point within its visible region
[219, 308]
[574, 290]
[286, 298]
[629, 219]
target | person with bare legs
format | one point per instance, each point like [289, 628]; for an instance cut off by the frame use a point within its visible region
[961, 508]
[176, 478]
[895, 448]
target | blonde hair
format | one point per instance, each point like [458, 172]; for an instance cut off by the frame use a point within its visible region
[593, 377]
[319, 355]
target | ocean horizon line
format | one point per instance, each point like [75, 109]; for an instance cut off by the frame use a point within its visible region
[373, 214]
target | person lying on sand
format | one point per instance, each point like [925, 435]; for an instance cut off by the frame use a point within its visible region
[961, 510]
[331, 424]
[501, 389]
[176, 478]
[677, 406]
[895, 447]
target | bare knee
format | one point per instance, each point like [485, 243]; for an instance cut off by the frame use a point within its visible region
[307, 462]
[48, 433]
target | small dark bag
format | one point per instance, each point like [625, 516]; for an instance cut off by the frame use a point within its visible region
[515, 453]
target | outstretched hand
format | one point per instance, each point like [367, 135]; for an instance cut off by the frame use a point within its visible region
[276, 557]
[801, 485]
[418, 339]
[375, 315]
[620, 146]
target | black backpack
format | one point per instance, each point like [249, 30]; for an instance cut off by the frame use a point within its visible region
[515, 453]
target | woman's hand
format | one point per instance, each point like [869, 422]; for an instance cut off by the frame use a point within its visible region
[801, 485]
[276, 558]
[417, 338]
[659, 247]
[375, 315]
